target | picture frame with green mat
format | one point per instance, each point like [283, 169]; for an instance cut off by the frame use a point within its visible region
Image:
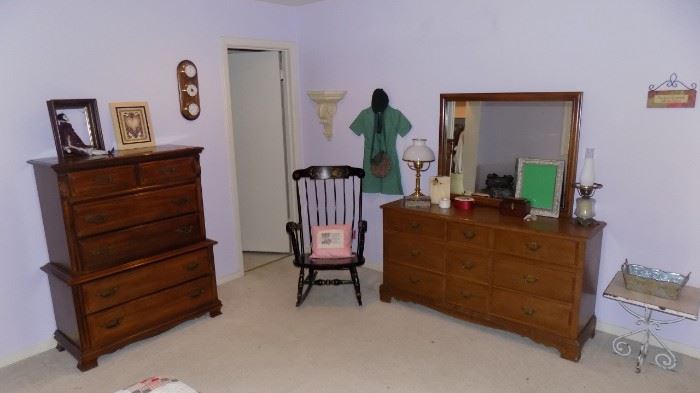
[540, 181]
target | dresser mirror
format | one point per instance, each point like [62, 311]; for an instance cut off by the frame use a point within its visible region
[483, 134]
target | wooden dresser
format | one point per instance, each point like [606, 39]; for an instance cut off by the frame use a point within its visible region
[129, 257]
[537, 279]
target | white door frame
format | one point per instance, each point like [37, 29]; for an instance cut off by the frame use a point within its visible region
[291, 120]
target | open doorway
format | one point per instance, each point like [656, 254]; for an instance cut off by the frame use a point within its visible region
[263, 149]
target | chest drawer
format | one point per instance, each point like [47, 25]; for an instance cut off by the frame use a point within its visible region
[102, 216]
[96, 182]
[532, 311]
[472, 264]
[140, 241]
[416, 225]
[466, 295]
[467, 234]
[417, 282]
[536, 280]
[133, 317]
[532, 246]
[415, 251]
[166, 171]
[126, 286]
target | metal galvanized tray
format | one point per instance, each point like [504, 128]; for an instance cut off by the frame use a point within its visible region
[652, 281]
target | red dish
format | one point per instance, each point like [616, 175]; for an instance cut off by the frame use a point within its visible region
[463, 203]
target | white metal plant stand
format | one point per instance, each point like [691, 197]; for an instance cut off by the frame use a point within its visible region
[685, 307]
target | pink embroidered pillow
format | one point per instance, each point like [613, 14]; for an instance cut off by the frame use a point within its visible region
[331, 241]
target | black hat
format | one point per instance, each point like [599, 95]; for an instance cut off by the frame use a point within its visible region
[379, 100]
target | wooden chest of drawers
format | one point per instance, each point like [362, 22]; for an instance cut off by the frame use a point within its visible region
[128, 247]
[537, 279]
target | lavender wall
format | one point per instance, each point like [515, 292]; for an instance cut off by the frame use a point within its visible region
[111, 51]
[611, 51]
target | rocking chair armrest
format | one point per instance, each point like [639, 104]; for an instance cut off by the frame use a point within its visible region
[362, 227]
[293, 229]
[361, 230]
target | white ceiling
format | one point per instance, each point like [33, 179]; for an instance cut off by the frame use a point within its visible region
[291, 2]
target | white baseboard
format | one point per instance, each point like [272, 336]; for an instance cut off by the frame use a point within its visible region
[674, 346]
[230, 277]
[28, 352]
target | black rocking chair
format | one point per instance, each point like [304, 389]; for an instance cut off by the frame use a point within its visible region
[327, 195]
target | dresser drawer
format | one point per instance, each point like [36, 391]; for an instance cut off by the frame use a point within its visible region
[416, 225]
[102, 216]
[415, 251]
[108, 326]
[471, 235]
[533, 311]
[95, 182]
[467, 295]
[166, 171]
[140, 241]
[132, 284]
[417, 282]
[554, 284]
[541, 248]
[472, 264]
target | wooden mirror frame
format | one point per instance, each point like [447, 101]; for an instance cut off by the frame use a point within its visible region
[574, 98]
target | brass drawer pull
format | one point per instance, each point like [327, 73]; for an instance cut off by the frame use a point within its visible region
[530, 279]
[109, 292]
[415, 253]
[113, 323]
[196, 293]
[528, 311]
[167, 171]
[468, 234]
[415, 225]
[532, 246]
[192, 266]
[416, 281]
[180, 201]
[95, 218]
[467, 265]
[466, 295]
[185, 229]
[100, 252]
[103, 180]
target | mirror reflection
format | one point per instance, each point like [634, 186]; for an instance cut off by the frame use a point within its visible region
[483, 135]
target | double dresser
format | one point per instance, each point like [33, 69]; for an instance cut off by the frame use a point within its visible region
[129, 257]
[537, 279]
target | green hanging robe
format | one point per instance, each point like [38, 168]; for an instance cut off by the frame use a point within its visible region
[395, 123]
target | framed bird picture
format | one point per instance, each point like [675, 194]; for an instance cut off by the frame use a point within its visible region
[76, 127]
[132, 125]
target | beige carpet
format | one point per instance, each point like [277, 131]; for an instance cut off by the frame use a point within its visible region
[262, 343]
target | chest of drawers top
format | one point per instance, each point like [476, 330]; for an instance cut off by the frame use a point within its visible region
[106, 210]
[124, 171]
[450, 224]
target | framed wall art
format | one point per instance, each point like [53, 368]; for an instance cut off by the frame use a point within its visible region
[132, 125]
[540, 182]
[76, 127]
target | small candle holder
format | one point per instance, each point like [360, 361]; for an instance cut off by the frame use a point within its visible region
[585, 204]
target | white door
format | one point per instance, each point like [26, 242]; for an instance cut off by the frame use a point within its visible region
[258, 137]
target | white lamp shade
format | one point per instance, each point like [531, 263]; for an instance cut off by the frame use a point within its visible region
[418, 151]
[588, 173]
